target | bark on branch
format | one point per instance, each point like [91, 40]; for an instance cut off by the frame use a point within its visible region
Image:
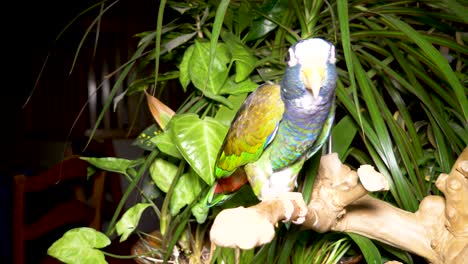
[438, 231]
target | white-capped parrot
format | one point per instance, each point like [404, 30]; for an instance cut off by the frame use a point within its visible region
[279, 126]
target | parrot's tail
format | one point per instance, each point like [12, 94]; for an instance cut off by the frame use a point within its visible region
[225, 188]
[221, 191]
[232, 183]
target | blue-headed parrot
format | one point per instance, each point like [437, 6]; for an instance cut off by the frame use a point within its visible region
[279, 126]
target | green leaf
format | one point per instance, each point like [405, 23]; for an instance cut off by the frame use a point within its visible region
[436, 57]
[198, 141]
[261, 26]
[144, 139]
[232, 87]
[165, 144]
[163, 173]
[399, 253]
[209, 81]
[225, 115]
[458, 9]
[112, 164]
[343, 18]
[184, 76]
[136, 179]
[342, 141]
[200, 211]
[384, 144]
[241, 55]
[218, 98]
[367, 247]
[129, 221]
[80, 245]
[186, 190]
[244, 16]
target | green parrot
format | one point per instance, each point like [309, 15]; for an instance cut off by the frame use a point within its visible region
[279, 126]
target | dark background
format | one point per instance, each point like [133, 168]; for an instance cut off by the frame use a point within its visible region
[34, 134]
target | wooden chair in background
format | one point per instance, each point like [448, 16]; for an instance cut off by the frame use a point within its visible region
[83, 208]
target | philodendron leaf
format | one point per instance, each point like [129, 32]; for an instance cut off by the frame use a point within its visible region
[186, 190]
[163, 173]
[226, 115]
[165, 144]
[129, 221]
[232, 87]
[262, 25]
[200, 211]
[184, 76]
[144, 138]
[241, 55]
[199, 142]
[80, 245]
[112, 164]
[209, 82]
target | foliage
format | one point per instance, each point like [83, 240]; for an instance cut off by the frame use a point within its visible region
[80, 245]
[401, 103]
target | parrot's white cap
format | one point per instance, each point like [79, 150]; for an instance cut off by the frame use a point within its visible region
[314, 55]
[314, 51]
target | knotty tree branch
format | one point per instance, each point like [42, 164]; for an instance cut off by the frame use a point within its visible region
[438, 231]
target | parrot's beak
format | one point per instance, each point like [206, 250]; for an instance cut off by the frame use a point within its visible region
[313, 79]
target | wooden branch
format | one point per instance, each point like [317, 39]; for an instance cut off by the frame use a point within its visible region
[438, 231]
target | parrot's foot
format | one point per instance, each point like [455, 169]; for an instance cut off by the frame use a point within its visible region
[294, 204]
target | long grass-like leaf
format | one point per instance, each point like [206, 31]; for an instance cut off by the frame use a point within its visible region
[416, 88]
[384, 142]
[402, 143]
[88, 30]
[342, 6]
[443, 156]
[437, 58]
[437, 40]
[458, 9]
[216, 31]
[157, 47]
[368, 249]
[371, 136]
[288, 245]
[300, 16]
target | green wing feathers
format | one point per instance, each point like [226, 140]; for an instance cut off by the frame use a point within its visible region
[253, 127]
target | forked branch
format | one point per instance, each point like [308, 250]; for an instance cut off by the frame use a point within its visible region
[438, 231]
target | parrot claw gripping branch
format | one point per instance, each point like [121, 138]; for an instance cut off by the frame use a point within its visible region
[298, 115]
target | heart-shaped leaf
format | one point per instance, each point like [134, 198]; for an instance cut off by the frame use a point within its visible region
[232, 87]
[112, 164]
[243, 57]
[165, 144]
[199, 142]
[209, 82]
[163, 173]
[184, 76]
[129, 220]
[144, 138]
[226, 115]
[186, 190]
[80, 245]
